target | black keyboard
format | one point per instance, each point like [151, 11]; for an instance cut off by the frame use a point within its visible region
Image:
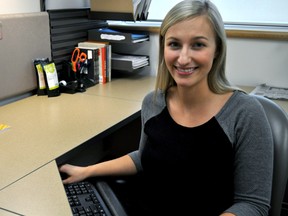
[84, 199]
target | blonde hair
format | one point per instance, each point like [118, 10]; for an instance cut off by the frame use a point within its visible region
[189, 9]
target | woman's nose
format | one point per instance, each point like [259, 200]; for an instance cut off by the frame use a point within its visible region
[184, 56]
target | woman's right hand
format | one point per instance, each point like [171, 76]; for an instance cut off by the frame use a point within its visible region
[123, 165]
[74, 173]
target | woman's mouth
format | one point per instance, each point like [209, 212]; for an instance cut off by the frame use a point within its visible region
[186, 71]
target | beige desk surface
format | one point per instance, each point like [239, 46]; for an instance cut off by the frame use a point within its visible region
[7, 212]
[58, 125]
[39, 194]
[43, 129]
[130, 88]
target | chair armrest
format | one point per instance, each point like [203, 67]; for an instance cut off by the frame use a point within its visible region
[110, 198]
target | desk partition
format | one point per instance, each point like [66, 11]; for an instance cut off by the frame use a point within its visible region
[23, 37]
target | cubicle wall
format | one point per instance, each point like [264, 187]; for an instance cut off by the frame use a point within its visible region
[68, 27]
[23, 37]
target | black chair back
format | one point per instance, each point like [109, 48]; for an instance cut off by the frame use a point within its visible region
[278, 120]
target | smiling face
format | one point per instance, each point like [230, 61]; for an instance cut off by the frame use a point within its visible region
[189, 51]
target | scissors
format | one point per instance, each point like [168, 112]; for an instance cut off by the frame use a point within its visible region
[77, 57]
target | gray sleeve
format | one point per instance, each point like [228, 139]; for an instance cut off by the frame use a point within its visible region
[248, 129]
[136, 155]
[152, 105]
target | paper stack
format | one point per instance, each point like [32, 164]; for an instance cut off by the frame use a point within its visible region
[135, 61]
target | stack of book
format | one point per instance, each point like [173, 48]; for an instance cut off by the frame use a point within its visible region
[99, 60]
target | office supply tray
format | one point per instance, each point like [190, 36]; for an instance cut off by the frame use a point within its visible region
[116, 36]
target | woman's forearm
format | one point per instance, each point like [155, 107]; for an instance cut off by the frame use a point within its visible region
[120, 166]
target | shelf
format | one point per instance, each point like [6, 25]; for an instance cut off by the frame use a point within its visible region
[115, 36]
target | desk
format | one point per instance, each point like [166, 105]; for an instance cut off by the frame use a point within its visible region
[132, 88]
[42, 129]
[39, 193]
[7, 213]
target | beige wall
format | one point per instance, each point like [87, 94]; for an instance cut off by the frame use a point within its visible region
[19, 6]
[249, 61]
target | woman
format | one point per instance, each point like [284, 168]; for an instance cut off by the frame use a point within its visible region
[200, 137]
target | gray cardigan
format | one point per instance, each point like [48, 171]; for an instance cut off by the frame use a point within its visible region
[245, 124]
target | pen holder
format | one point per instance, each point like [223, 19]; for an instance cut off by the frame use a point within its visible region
[80, 82]
[70, 87]
[71, 82]
[67, 73]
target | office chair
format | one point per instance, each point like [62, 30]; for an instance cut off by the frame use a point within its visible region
[278, 120]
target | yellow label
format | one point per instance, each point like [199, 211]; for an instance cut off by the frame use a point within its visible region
[3, 127]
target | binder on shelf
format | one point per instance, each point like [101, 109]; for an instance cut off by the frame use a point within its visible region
[112, 35]
[129, 10]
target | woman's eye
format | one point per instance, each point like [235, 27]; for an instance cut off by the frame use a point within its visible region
[173, 45]
[198, 45]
